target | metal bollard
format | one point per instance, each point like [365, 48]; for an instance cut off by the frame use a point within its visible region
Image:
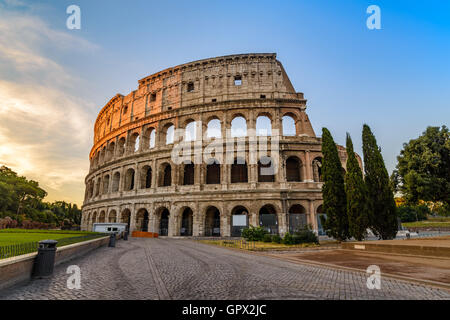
[45, 259]
[112, 240]
[125, 235]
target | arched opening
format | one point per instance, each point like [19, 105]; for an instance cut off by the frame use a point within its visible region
[239, 220]
[116, 182]
[266, 170]
[125, 217]
[164, 223]
[121, 147]
[152, 139]
[317, 169]
[142, 220]
[319, 214]
[129, 179]
[212, 172]
[288, 124]
[106, 184]
[103, 155]
[263, 126]
[136, 141]
[188, 173]
[148, 138]
[110, 152]
[91, 189]
[293, 169]
[297, 217]
[212, 222]
[239, 127]
[102, 217]
[97, 187]
[166, 175]
[214, 129]
[112, 216]
[146, 177]
[268, 219]
[170, 132]
[94, 217]
[239, 171]
[187, 220]
[190, 133]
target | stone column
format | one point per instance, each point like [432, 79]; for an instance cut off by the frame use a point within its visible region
[132, 219]
[312, 219]
[309, 176]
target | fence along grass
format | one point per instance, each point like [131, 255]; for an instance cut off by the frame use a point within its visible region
[12, 250]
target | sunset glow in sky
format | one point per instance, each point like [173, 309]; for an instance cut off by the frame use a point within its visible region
[54, 81]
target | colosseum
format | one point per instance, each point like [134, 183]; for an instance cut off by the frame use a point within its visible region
[249, 153]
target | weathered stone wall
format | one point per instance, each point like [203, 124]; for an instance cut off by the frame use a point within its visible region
[201, 91]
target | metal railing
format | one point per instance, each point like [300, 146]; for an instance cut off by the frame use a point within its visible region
[17, 249]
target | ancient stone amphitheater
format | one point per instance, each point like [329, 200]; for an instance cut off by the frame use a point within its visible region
[249, 153]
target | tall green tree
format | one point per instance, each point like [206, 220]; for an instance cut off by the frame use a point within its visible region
[333, 190]
[423, 169]
[355, 189]
[382, 209]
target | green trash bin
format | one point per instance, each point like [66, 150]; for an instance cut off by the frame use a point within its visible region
[45, 259]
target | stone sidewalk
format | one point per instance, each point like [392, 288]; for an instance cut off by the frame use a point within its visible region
[184, 269]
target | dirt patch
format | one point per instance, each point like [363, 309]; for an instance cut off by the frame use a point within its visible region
[423, 268]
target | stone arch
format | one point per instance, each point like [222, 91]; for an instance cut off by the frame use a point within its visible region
[188, 172]
[165, 175]
[238, 223]
[116, 182]
[214, 128]
[121, 146]
[317, 169]
[142, 219]
[263, 125]
[146, 177]
[288, 124]
[163, 217]
[149, 138]
[129, 179]
[293, 169]
[112, 216]
[268, 218]
[94, 217]
[239, 126]
[134, 142]
[190, 130]
[102, 217]
[297, 217]
[125, 217]
[212, 171]
[212, 222]
[239, 171]
[168, 134]
[110, 151]
[106, 184]
[187, 221]
[97, 186]
[266, 169]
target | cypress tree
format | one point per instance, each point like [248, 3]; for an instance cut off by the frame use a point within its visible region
[382, 210]
[333, 190]
[355, 189]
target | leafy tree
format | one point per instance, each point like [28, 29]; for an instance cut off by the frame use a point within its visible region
[333, 190]
[355, 189]
[382, 209]
[423, 169]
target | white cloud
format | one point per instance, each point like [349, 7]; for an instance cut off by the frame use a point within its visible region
[45, 131]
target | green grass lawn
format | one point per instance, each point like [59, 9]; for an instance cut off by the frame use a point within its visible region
[15, 236]
[431, 222]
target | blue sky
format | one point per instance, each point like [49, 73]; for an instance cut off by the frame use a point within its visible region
[396, 79]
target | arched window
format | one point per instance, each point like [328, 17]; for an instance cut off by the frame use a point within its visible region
[146, 177]
[263, 126]
[293, 169]
[116, 181]
[239, 171]
[288, 126]
[110, 152]
[297, 217]
[129, 179]
[121, 149]
[166, 175]
[188, 173]
[266, 170]
[214, 129]
[170, 134]
[190, 131]
[105, 184]
[239, 127]
[317, 169]
[212, 172]
[136, 144]
[152, 138]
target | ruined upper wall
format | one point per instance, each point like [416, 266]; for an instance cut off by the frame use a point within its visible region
[196, 83]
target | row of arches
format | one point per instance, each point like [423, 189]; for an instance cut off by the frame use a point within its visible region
[238, 128]
[238, 174]
[212, 223]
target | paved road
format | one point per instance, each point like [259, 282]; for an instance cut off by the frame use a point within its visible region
[184, 269]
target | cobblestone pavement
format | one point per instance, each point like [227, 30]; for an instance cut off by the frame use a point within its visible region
[184, 269]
